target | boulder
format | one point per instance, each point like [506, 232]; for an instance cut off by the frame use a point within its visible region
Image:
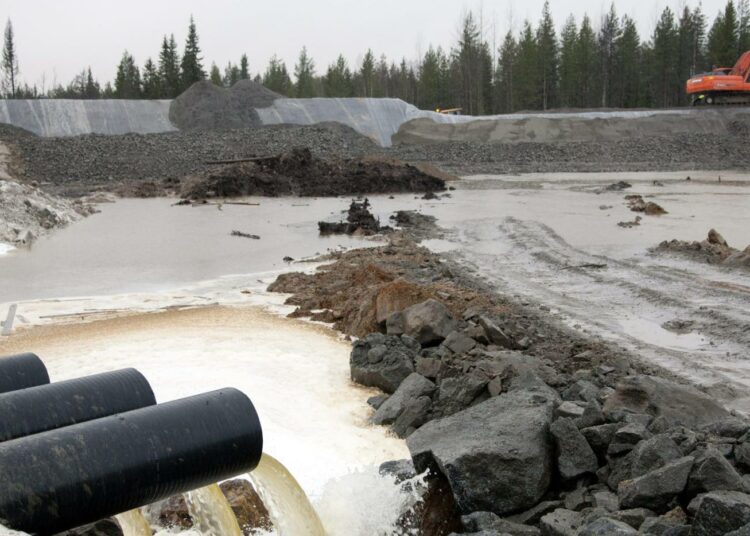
[592, 415]
[412, 388]
[652, 454]
[496, 335]
[679, 404]
[383, 361]
[561, 522]
[730, 427]
[605, 526]
[415, 414]
[459, 392]
[742, 455]
[657, 488]
[429, 322]
[606, 500]
[459, 343]
[497, 455]
[581, 390]
[479, 521]
[712, 472]
[574, 455]
[627, 437]
[721, 512]
[599, 437]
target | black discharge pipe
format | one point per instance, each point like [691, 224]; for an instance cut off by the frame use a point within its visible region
[38, 409]
[65, 478]
[21, 371]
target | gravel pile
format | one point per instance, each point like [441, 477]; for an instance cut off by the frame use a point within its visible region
[208, 106]
[78, 165]
[673, 153]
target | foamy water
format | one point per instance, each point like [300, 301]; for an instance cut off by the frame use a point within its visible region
[5, 248]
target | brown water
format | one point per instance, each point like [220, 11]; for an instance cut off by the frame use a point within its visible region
[149, 245]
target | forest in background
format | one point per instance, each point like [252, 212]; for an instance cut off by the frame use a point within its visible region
[584, 64]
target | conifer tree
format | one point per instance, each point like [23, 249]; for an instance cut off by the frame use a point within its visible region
[151, 80]
[215, 76]
[169, 68]
[587, 66]
[504, 75]
[192, 62]
[547, 54]
[128, 78]
[367, 74]
[10, 61]
[627, 80]
[337, 81]
[608, 35]
[304, 72]
[276, 77]
[244, 68]
[527, 87]
[665, 75]
[568, 63]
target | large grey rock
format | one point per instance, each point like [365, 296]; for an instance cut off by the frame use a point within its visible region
[496, 335]
[652, 454]
[412, 388]
[712, 472]
[415, 414]
[657, 488]
[479, 521]
[570, 410]
[627, 437]
[742, 455]
[734, 427]
[605, 526]
[383, 361]
[497, 455]
[561, 522]
[459, 392]
[581, 390]
[592, 415]
[679, 404]
[459, 343]
[721, 512]
[599, 437]
[574, 455]
[429, 322]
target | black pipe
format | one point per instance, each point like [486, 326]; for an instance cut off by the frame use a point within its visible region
[21, 371]
[38, 409]
[65, 478]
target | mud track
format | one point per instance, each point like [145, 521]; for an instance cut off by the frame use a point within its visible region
[626, 302]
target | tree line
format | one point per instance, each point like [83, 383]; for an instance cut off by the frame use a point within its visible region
[587, 65]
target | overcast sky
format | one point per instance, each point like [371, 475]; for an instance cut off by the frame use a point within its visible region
[57, 38]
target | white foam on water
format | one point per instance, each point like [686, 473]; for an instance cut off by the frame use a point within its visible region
[5, 248]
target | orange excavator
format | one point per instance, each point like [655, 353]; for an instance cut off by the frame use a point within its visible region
[723, 86]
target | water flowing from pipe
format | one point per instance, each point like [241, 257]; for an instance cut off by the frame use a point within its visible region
[133, 523]
[211, 513]
[288, 506]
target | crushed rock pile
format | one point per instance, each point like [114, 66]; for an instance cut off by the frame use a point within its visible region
[299, 173]
[713, 250]
[207, 106]
[26, 212]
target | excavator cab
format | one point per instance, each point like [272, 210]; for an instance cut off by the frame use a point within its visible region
[722, 86]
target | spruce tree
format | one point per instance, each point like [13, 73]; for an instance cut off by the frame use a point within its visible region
[169, 68]
[665, 76]
[10, 61]
[587, 66]
[215, 76]
[743, 30]
[723, 39]
[504, 75]
[627, 78]
[367, 74]
[568, 63]
[608, 35]
[528, 84]
[244, 68]
[92, 89]
[151, 80]
[232, 75]
[192, 63]
[276, 77]
[547, 55]
[304, 72]
[128, 79]
[337, 81]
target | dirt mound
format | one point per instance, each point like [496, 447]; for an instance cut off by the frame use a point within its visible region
[638, 204]
[299, 173]
[713, 250]
[207, 106]
[359, 221]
